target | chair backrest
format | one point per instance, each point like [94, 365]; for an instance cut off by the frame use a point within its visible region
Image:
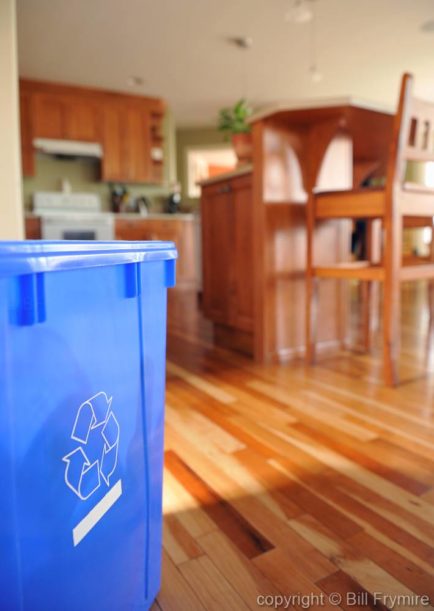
[413, 135]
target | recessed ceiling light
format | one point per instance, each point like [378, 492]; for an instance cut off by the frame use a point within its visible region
[428, 26]
[242, 42]
[135, 81]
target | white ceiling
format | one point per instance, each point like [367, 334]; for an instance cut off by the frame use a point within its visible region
[179, 48]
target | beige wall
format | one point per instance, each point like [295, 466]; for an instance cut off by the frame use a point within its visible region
[11, 213]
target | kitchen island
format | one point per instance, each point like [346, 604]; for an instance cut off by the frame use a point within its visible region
[254, 225]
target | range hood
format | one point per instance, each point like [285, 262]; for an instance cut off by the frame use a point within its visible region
[68, 148]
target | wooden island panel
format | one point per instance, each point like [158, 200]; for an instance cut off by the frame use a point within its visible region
[227, 251]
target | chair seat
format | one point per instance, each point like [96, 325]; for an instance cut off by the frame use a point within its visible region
[416, 201]
[359, 270]
[416, 269]
[356, 203]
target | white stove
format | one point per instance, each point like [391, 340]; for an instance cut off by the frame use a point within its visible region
[72, 216]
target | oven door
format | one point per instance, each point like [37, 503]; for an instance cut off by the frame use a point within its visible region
[78, 227]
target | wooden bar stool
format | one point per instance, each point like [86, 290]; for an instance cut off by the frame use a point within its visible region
[394, 205]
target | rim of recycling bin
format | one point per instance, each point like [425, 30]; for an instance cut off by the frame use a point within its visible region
[35, 256]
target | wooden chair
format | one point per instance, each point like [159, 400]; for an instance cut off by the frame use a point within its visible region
[395, 206]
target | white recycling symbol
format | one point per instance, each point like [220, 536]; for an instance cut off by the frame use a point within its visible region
[93, 461]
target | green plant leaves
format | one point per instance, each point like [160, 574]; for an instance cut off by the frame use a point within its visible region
[234, 120]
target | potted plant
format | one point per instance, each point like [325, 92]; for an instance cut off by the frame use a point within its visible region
[233, 121]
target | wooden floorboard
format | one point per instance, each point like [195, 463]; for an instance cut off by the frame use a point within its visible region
[283, 481]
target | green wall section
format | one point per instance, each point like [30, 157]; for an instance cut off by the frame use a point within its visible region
[83, 175]
[415, 172]
[189, 138]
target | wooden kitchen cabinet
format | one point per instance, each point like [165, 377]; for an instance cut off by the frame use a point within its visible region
[131, 229]
[112, 161]
[216, 213]
[227, 253]
[66, 117]
[129, 128]
[126, 144]
[181, 231]
[138, 153]
[49, 116]
[83, 120]
[242, 250]
[33, 227]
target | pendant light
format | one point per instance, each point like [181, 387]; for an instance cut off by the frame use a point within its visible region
[302, 12]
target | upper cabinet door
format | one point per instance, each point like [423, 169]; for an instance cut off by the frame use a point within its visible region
[113, 141]
[49, 116]
[137, 161]
[66, 117]
[126, 143]
[83, 120]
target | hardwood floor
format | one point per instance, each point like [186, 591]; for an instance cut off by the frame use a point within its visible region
[284, 481]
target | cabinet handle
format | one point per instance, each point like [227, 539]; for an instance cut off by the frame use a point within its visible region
[225, 189]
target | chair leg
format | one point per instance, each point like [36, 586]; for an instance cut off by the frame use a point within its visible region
[392, 300]
[430, 306]
[430, 301]
[391, 336]
[311, 318]
[342, 312]
[429, 335]
[310, 334]
[431, 282]
[373, 254]
[367, 291]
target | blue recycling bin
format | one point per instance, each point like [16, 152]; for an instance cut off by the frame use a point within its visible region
[82, 379]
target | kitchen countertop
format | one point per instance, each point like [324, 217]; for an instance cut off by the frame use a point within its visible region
[313, 104]
[162, 216]
[245, 169]
[131, 216]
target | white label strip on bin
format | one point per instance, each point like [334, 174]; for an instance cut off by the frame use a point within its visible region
[96, 513]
